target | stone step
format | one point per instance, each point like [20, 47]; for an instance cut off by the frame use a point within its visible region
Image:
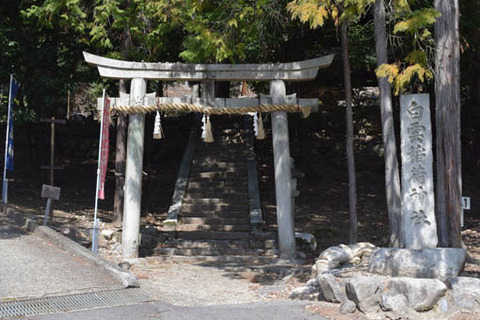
[224, 235]
[219, 164]
[188, 207]
[215, 252]
[213, 221]
[222, 260]
[219, 175]
[222, 154]
[230, 193]
[238, 244]
[227, 200]
[199, 168]
[213, 227]
[217, 183]
[214, 235]
[215, 214]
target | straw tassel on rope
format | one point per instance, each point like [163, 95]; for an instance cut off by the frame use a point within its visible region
[260, 130]
[157, 128]
[208, 131]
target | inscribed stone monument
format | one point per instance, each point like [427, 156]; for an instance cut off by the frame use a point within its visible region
[418, 203]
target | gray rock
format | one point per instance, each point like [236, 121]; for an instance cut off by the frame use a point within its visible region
[304, 293]
[438, 263]
[421, 294]
[313, 283]
[107, 234]
[466, 292]
[395, 302]
[365, 292]
[348, 307]
[333, 289]
[444, 305]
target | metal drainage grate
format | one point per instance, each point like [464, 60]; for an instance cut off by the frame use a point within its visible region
[72, 302]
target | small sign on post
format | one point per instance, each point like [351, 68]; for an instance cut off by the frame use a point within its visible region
[51, 193]
[465, 206]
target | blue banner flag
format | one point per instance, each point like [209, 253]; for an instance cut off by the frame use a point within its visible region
[14, 86]
[9, 137]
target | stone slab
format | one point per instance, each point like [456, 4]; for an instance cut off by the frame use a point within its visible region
[419, 226]
[440, 263]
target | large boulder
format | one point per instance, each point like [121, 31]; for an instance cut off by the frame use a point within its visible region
[365, 292]
[332, 289]
[421, 294]
[466, 292]
[437, 263]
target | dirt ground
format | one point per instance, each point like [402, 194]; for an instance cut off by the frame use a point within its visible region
[321, 208]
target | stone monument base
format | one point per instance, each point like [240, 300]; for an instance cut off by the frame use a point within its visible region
[438, 263]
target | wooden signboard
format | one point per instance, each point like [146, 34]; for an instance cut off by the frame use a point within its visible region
[50, 192]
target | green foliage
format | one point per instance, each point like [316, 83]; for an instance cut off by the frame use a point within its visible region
[53, 13]
[412, 19]
[224, 30]
[416, 21]
[401, 80]
[316, 12]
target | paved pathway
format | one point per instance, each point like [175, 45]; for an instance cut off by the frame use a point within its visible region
[31, 266]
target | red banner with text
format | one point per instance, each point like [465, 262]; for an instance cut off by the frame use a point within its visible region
[104, 145]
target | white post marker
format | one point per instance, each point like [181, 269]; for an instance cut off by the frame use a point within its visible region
[95, 224]
[465, 206]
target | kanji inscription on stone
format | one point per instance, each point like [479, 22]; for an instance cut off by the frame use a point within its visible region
[418, 201]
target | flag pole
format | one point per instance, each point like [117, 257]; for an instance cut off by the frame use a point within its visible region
[95, 226]
[7, 134]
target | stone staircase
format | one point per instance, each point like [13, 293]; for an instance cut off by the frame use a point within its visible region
[214, 223]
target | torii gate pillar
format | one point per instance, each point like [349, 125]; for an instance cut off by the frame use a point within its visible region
[283, 173]
[133, 172]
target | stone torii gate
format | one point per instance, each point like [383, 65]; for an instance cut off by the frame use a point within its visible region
[139, 102]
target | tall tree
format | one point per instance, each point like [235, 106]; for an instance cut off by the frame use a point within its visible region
[392, 176]
[352, 184]
[447, 100]
[315, 12]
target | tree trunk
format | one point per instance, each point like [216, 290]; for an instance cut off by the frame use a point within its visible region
[352, 193]
[447, 100]
[392, 176]
[120, 160]
[121, 146]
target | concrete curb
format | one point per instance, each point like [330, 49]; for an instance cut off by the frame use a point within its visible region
[127, 278]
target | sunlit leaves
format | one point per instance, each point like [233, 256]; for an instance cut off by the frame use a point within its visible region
[417, 20]
[316, 12]
[401, 79]
[389, 71]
